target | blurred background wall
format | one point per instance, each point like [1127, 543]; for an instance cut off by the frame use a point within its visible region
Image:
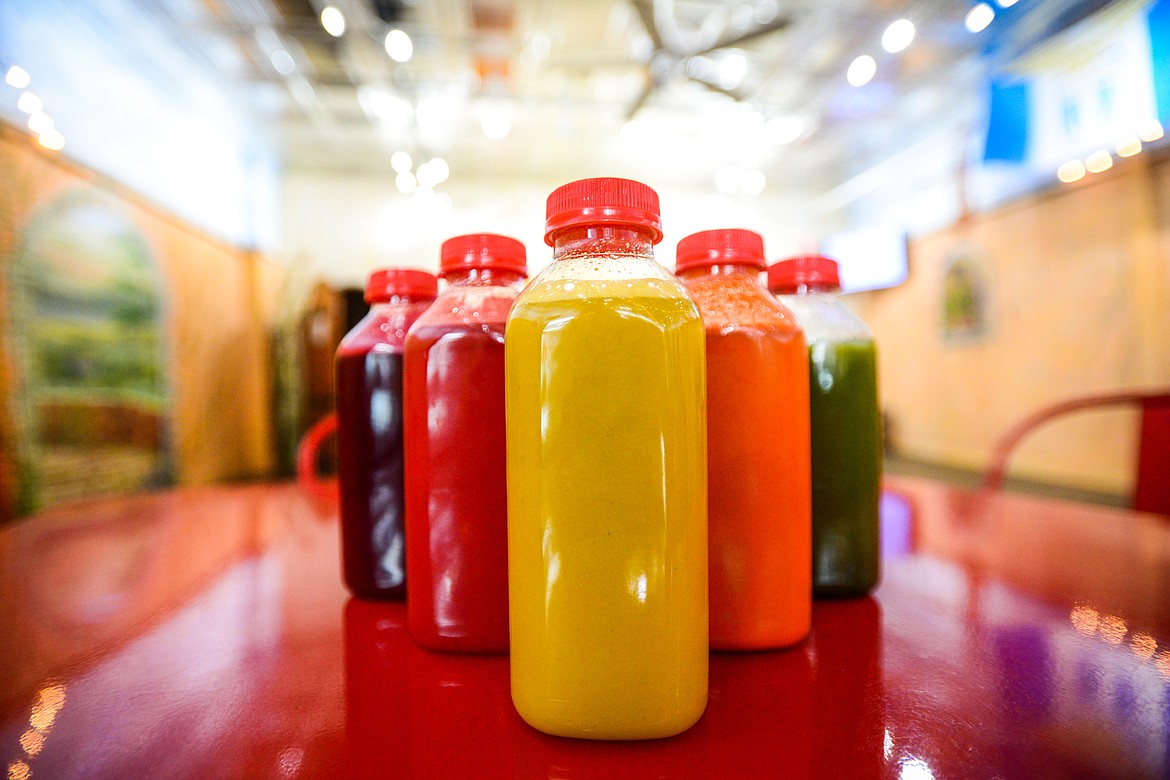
[136, 349]
[1075, 295]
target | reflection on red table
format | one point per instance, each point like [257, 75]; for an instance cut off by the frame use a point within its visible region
[206, 633]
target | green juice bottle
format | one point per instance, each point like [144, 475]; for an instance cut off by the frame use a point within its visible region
[846, 427]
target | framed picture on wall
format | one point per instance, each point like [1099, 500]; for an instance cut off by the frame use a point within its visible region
[965, 296]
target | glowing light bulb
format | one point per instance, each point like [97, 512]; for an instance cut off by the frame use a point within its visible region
[40, 123]
[898, 36]
[752, 183]
[1098, 161]
[17, 77]
[1129, 146]
[1150, 131]
[861, 70]
[439, 169]
[979, 17]
[333, 20]
[405, 182]
[496, 126]
[399, 46]
[401, 162]
[52, 140]
[29, 103]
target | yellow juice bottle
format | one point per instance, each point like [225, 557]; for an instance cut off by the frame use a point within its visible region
[607, 485]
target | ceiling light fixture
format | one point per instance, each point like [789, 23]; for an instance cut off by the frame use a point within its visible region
[439, 168]
[861, 70]
[17, 77]
[282, 61]
[752, 183]
[732, 69]
[405, 182]
[784, 130]
[399, 46]
[333, 20]
[979, 17]
[432, 173]
[496, 126]
[898, 36]
[1006, 3]
[401, 162]
[727, 179]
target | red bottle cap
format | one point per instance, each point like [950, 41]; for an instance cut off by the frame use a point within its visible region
[720, 247]
[482, 250]
[605, 201]
[385, 283]
[812, 271]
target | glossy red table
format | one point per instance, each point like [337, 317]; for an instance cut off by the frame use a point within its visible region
[205, 634]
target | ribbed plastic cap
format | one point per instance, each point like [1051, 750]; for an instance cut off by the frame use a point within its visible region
[720, 247]
[385, 283]
[604, 201]
[482, 250]
[814, 271]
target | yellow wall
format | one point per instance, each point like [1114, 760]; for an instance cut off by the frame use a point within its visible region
[219, 305]
[1079, 283]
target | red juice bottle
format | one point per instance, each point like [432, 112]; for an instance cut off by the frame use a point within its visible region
[369, 433]
[456, 495]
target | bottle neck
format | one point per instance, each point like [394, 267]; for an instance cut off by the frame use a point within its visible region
[722, 269]
[603, 240]
[486, 276]
[398, 301]
[811, 290]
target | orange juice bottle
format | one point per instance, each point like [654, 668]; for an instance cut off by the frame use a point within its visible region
[607, 477]
[760, 512]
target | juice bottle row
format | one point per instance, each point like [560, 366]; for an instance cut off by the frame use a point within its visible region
[609, 469]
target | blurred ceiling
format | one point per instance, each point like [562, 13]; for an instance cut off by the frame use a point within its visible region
[682, 91]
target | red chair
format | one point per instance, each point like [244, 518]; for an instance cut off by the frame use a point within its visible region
[1152, 487]
[325, 489]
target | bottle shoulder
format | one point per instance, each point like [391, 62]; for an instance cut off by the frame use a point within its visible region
[585, 278]
[731, 302]
[384, 326]
[467, 307]
[826, 318]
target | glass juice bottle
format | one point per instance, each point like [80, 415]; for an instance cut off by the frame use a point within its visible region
[456, 492]
[846, 428]
[607, 477]
[759, 510]
[369, 433]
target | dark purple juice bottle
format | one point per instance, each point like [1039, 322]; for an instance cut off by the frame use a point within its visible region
[369, 433]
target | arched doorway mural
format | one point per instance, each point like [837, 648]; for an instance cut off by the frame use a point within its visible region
[90, 344]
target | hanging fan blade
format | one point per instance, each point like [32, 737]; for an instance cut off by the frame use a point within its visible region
[775, 25]
[641, 101]
[645, 9]
[711, 85]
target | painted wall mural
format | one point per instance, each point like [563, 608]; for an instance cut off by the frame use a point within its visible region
[90, 339]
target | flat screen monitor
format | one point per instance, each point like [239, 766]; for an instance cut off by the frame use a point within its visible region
[869, 258]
